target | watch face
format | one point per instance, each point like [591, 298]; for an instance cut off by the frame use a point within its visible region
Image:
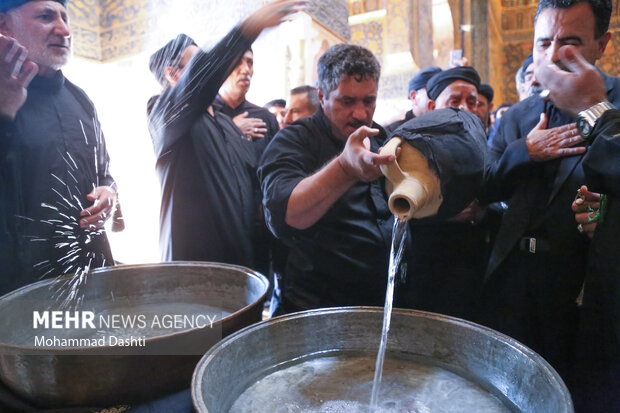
[584, 128]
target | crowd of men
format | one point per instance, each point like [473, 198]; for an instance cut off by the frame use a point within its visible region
[294, 189]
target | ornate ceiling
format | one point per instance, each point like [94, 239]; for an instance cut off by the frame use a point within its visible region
[106, 30]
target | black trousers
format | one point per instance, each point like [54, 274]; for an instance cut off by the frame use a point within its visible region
[532, 298]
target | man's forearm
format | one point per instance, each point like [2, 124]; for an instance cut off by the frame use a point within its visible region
[316, 194]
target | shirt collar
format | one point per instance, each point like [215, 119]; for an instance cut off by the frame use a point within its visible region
[50, 84]
[325, 124]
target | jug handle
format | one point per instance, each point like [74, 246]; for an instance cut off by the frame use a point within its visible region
[392, 170]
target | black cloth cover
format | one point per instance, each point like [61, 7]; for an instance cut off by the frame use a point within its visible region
[454, 143]
[6, 5]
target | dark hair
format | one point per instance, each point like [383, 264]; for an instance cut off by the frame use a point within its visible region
[346, 60]
[600, 8]
[313, 95]
[276, 102]
[526, 63]
[486, 91]
[169, 55]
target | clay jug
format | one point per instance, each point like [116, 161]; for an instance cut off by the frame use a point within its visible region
[414, 189]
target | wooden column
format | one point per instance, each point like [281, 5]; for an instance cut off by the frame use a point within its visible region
[421, 32]
[479, 37]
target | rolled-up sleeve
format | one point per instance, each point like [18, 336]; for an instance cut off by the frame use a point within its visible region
[287, 160]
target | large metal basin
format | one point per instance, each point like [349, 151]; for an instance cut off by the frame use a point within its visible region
[105, 376]
[498, 363]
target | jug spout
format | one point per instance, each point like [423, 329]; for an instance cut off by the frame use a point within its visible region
[414, 189]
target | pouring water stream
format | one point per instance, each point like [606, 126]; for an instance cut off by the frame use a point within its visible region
[399, 234]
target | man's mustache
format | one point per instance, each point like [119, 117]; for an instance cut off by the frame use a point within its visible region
[535, 90]
[357, 124]
[59, 41]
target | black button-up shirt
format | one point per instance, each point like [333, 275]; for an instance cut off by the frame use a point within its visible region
[343, 258]
[207, 170]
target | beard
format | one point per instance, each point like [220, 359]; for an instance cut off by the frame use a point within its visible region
[535, 90]
[54, 59]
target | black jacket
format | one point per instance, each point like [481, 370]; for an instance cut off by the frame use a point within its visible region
[597, 374]
[539, 194]
[51, 157]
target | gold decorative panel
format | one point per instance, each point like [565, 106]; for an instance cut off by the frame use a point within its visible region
[369, 35]
[513, 56]
[610, 63]
[363, 6]
[396, 26]
[84, 17]
[105, 30]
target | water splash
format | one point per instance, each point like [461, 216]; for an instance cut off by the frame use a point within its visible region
[399, 235]
[68, 238]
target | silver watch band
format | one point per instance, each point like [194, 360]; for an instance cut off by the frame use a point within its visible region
[593, 113]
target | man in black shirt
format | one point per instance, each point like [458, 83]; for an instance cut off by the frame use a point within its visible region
[207, 170]
[321, 191]
[254, 121]
[55, 188]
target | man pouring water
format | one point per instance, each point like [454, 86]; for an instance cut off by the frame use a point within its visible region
[55, 188]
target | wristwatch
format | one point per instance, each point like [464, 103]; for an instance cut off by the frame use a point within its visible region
[586, 119]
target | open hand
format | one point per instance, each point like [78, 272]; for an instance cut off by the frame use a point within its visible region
[358, 161]
[104, 201]
[270, 15]
[250, 127]
[546, 144]
[16, 73]
[576, 90]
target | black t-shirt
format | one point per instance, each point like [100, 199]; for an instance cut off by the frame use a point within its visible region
[254, 111]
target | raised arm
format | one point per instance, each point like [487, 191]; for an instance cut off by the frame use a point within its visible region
[177, 107]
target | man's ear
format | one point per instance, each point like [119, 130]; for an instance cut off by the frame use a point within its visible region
[491, 106]
[412, 94]
[431, 105]
[602, 44]
[170, 75]
[321, 96]
[4, 30]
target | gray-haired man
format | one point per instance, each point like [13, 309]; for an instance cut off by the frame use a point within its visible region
[55, 186]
